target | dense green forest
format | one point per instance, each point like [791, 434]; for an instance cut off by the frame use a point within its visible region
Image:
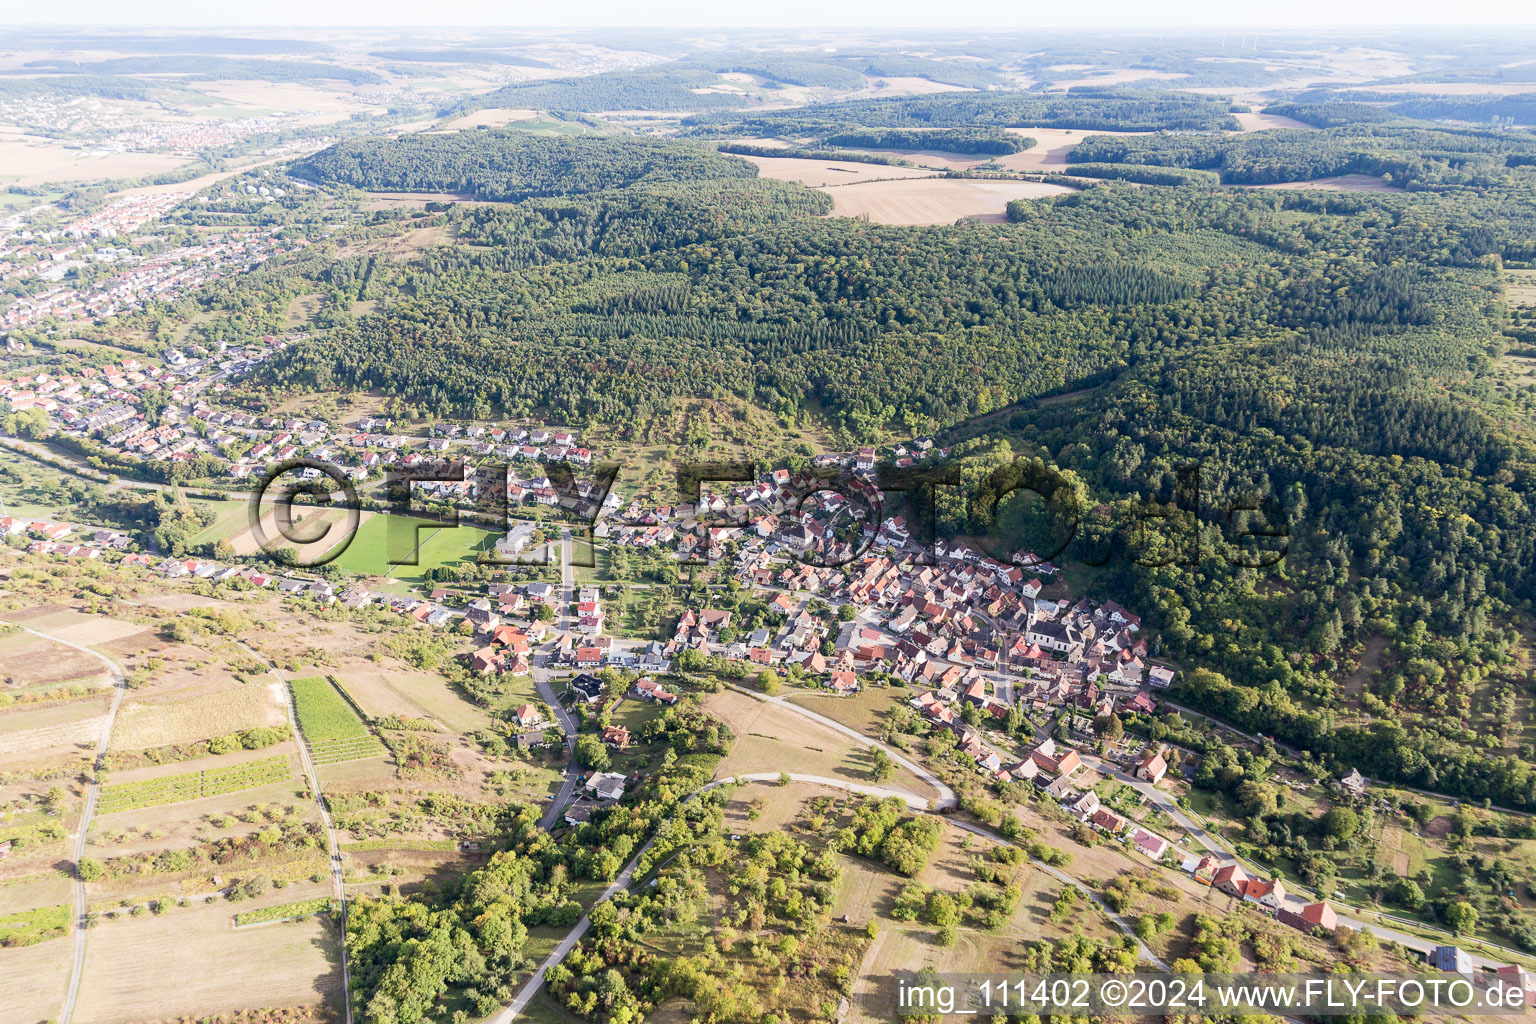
[989, 141]
[509, 165]
[1329, 108]
[1103, 109]
[1445, 159]
[662, 88]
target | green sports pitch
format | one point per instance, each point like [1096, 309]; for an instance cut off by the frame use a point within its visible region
[386, 545]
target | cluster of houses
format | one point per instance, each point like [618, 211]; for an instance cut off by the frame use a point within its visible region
[157, 277]
[49, 538]
[105, 405]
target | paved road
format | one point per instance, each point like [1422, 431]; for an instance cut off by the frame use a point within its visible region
[566, 793]
[338, 886]
[562, 799]
[92, 791]
[946, 798]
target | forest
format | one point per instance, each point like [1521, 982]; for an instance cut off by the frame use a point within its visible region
[988, 141]
[1414, 158]
[508, 165]
[1090, 109]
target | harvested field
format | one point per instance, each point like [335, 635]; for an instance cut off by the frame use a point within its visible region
[34, 661]
[137, 969]
[80, 628]
[39, 163]
[491, 117]
[935, 200]
[1262, 122]
[1049, 153]
[151, 723]
[1338, 183]
[33, 979]
[816, 173]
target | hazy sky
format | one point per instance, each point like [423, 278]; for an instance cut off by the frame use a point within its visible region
[1292, 14]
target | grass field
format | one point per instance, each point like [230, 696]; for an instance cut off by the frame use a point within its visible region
[771, 739]
[384, 543]
[33, 926]
[331, 728]
[284, 911]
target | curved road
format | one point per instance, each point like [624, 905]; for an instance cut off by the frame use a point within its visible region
[946, 798]
[92, 791]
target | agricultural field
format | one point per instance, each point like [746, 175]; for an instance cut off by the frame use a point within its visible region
[36, 662]
[211, 782]
[34, 979]
[935, 200]
[332, 730]
[137, 969]
[157, 720]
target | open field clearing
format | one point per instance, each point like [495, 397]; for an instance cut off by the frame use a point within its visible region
[399, 690]
[774, 739]
[490, 117]
[38, 164]
[160, 722]
[34, 979]
[185, 825]
[816, 173]
[316, 104]
[1118, 76]
[1456, 88]
[1520, 285]
[1257, 122]
[331, 728]
[1049, 153]
[138, 969]
[28, 892]
[1338, 183]
[935, 200]
[58, 729]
